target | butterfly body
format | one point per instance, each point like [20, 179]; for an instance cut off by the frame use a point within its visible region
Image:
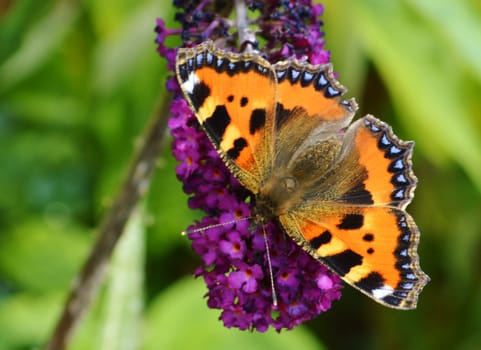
[337, 189]
[289, 186]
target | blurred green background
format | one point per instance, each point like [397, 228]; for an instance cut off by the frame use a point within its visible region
[79, 81]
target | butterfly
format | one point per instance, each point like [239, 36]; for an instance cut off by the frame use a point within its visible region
[339, 190]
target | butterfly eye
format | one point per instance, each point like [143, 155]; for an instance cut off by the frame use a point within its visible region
[289, 184]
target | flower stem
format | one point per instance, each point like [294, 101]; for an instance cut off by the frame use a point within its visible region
[135, 186]
[245, 36]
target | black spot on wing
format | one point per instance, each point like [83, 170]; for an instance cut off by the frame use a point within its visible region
[257, 120]
[321, 81]
[330, 91]
[217, 123]
[307, 78]
[246, 66]
[281, 75]
[358, 195]
[243, 102]
[343, 262]
[239, 145]
[351, 222]
[372, 281]
[199, 94]
[233, 67]
[371, 125]
[391, 147]
[398, 165]
[392, 300]
[199, 59]
[399, 195]
[219, 63]
[323, 238]
[184, 72]
[209, 57]
[282, 115]
[399, 180]
[261, 69]
[368, 237]
[294, 75]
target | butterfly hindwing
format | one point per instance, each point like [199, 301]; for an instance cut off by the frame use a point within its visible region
[374, 250]
[359, 228]
[233, 97]
[384, 160]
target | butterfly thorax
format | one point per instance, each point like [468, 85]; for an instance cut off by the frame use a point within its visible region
[276, 197]
[287, 185]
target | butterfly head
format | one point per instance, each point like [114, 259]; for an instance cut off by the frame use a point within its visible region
[275, 198]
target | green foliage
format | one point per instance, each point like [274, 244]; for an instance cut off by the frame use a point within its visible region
[78, 83]
[176, 320]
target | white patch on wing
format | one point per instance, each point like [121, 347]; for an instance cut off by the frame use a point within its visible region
[382, 292]
[191, 82]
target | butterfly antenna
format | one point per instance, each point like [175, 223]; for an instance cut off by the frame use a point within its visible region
[271, 274]
[200, 229]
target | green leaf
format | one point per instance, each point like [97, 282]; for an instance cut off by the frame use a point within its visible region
[168, 207]
[26, 319]
[124, 293]
[179, 319]
[458, 27]
[342, 40]
[113, 320]
[39, 44]
[133, 40]
[428, 91]
[43, 254]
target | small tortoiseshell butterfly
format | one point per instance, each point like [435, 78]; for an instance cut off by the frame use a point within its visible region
[338, 190]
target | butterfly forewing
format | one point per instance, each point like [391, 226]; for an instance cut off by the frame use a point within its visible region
[315, 90]
[233, 97]
[309, 108]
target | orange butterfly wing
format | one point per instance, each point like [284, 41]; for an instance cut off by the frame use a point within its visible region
[233, 97]
[315, 90]
[363, 232]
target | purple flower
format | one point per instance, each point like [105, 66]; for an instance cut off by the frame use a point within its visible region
[233, 246]
[235, 266]
[245, 277]
[288, 278]
[163, 50]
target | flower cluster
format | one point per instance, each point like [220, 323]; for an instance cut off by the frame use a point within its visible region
[235, 265]
[292, 29]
